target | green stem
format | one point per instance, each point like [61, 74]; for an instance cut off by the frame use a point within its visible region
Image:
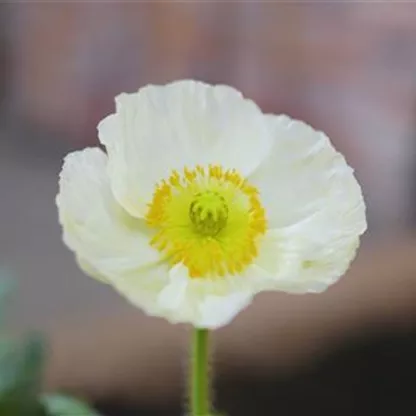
[200, 387]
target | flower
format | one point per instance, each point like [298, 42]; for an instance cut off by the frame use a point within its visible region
[201, 201]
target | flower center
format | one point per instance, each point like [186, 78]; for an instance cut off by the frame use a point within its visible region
[208, 213]
[207, 218]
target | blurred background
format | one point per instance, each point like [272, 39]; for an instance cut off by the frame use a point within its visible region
[346, 68]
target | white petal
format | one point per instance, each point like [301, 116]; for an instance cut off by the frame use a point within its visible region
[289, 261]
[314, 208]
[90, 270]
[173, 294]
[104, 237]
[217, 311]
[184, 123]
[303, 176]
[144, 289]
[203, 303]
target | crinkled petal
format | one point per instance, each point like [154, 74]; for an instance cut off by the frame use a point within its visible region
[90, 270]
[203, 303]
[218, 311]
[107, 241]
[184, 123]
[304, 175]
[174, 293]
[289, 261]
[314, 207]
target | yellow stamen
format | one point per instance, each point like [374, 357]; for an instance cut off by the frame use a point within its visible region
[208, 218]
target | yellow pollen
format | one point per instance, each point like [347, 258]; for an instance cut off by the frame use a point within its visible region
[208, 218]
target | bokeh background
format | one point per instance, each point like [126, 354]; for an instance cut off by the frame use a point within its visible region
[348, 68]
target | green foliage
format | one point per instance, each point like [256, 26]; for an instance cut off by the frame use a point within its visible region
[66, 406]
[20, 376]
[21, 365]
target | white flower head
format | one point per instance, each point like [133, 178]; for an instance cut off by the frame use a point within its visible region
[201, 201]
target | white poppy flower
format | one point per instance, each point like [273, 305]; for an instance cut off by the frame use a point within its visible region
[201, 201]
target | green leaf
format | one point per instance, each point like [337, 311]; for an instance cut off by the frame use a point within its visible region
[57, 405]
[20, 375]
